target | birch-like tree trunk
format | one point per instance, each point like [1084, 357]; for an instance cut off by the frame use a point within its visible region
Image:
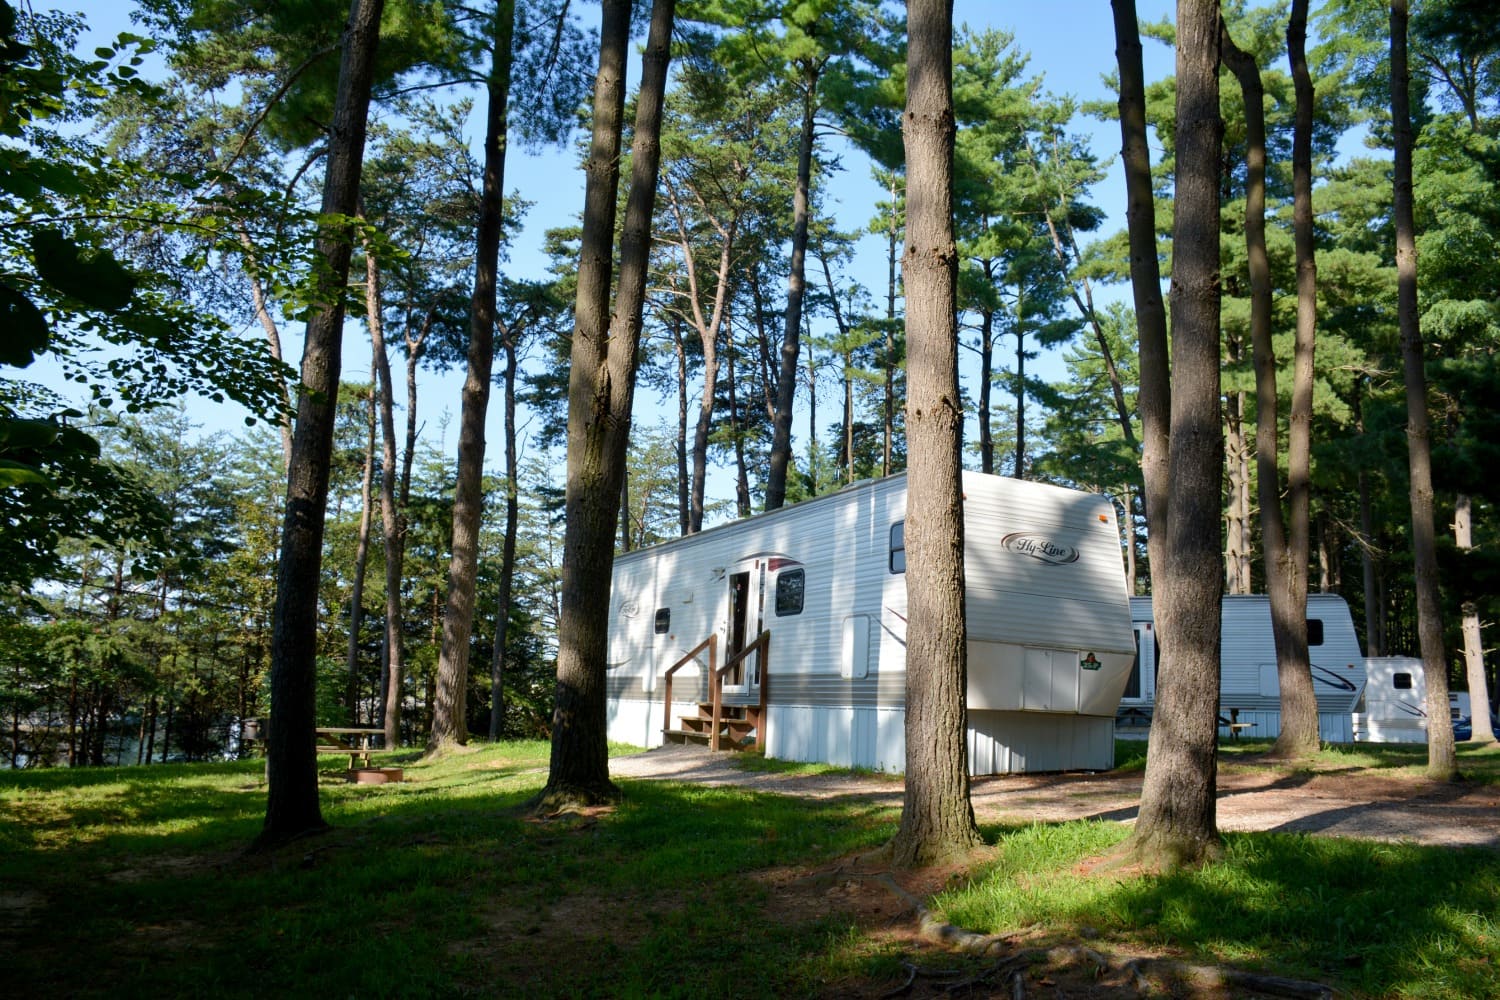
[1479, 688]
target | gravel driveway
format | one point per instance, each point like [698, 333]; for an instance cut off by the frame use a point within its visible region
[1338, 803]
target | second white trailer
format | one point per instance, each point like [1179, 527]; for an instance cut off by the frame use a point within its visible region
[1049, 648]
[1392, 708]
[1250, 692]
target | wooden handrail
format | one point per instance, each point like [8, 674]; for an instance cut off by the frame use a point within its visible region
[712, 642]
[762, 644]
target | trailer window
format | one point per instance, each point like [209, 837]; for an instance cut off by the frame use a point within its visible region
[1401, 682]
[790, 586]
[898, 547]
[1315, 631]
[663, 620]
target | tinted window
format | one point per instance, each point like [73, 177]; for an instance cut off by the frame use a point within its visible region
[1402, 682]
[789, 588]
[1315, 631]
[663, 620]
[898, 547]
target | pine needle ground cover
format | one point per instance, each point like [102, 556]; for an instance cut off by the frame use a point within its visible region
[134, 881]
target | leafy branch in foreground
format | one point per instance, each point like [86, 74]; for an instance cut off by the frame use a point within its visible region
[69, 294]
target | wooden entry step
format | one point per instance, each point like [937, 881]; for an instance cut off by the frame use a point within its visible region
[738, 726]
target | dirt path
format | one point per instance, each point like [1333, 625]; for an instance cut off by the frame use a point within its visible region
[1339, 803]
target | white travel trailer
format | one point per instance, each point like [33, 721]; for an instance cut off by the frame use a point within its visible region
[1048, 624]
[1392, 708]
[1250, 693]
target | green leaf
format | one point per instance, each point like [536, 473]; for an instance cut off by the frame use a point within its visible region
[28, 434]
[93, 277]
[71, 439]
[58, 177]
[23, 329]
[17, 474]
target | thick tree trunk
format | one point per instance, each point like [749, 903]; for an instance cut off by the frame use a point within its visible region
[1286, 586]
[291, 768]
[1155, 399]
[361, 560]
[1177, 824]
[450, 711]
[507, 547]
[1441, 762]
[1479, 688]
[937, 818]
[786, 383]
[601, 387]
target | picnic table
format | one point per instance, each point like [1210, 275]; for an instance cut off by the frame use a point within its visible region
[356, 741]
[1233, 724]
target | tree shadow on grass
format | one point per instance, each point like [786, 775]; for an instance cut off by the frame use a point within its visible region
[419, 890]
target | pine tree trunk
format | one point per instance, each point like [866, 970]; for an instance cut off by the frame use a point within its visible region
[361, 560]
[1442, 765]
[507, 548]
[1177, 824]
[1299, 706]
[786, 383]
[986, 378]
[393, 661]
[937, 818]
[450, 710]
[1285, 584]
[601, 387]
[684, 485]
[741, 469]
[1155, 399]
[292, 806]
[1019, 470]
[886, 468]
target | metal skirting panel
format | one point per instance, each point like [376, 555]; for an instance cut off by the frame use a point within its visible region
[846, 737]
[1019, 742]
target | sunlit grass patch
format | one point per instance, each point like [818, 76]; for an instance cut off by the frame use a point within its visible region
[1386, 920]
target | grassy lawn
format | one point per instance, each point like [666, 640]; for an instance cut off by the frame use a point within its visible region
[132, 882]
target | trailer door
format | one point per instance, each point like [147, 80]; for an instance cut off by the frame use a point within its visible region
[746, 606]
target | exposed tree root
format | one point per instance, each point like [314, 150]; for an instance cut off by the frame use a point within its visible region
[1141, 974]
[572, 798]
